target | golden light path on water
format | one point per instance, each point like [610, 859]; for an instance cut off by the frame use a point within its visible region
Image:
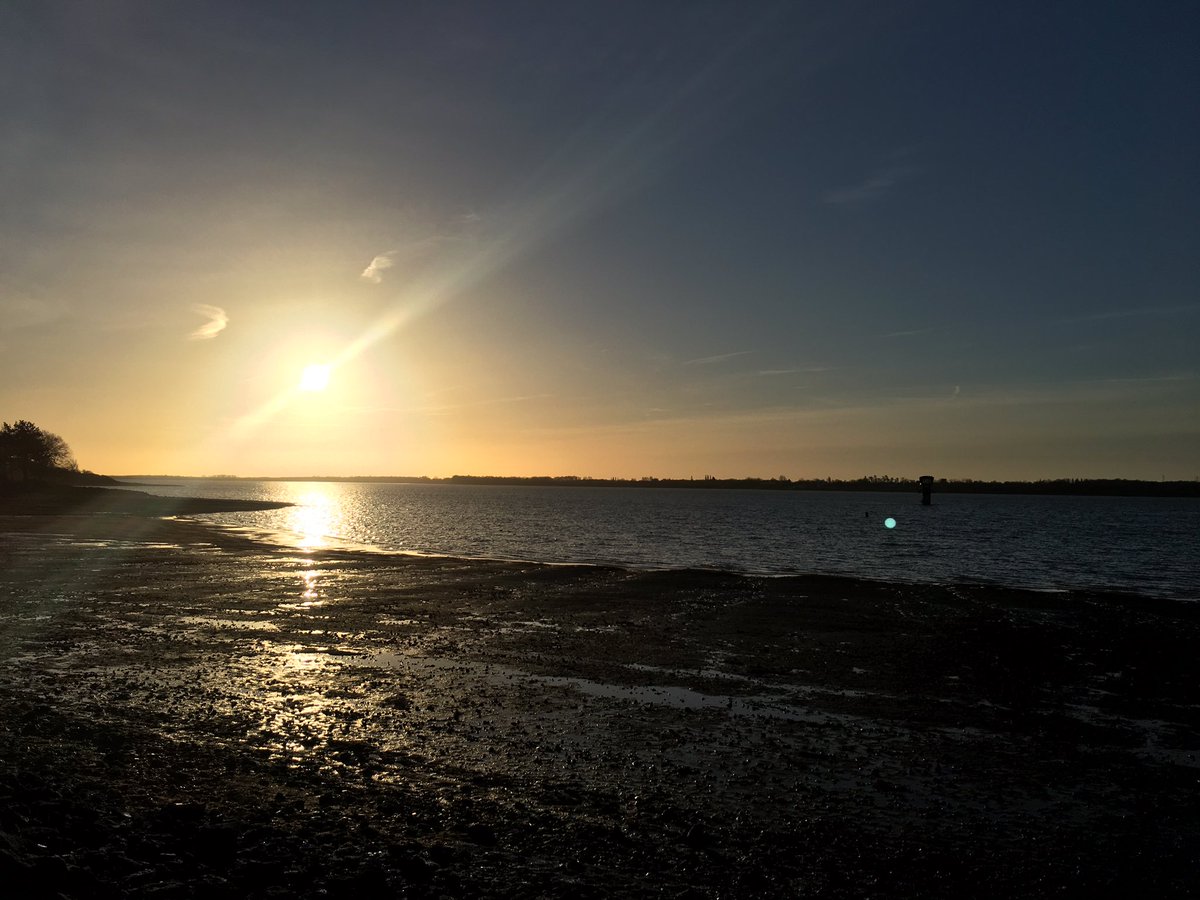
[290, 680]
[303, 718]
[316, 517]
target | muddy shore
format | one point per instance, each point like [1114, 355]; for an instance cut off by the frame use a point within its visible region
[187, 713]
[73, 501]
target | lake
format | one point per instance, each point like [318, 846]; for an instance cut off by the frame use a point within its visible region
[1146, 545]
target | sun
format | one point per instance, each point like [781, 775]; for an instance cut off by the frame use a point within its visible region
[315, 378]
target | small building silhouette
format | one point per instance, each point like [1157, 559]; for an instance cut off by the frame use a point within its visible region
[926, 489]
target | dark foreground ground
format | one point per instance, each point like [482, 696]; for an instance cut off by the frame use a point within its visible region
[188, 714]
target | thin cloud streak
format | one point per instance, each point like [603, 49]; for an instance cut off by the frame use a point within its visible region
[451, 407]
[803, 370]
[22, 311]
[871, 188]
[1096, 393]
[1131, 313]
[218, 319]
[710, 360]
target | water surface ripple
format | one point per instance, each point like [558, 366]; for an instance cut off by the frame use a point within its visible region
[1147, 545]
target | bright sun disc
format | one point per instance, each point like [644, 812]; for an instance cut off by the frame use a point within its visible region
[314, 378]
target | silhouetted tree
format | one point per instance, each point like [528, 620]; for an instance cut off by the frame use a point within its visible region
[27, 451]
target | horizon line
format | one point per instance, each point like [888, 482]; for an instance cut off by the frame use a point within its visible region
[650, 479]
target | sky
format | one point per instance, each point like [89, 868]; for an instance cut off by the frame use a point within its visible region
[605, 239]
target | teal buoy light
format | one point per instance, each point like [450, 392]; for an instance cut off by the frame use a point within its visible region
[889, 522]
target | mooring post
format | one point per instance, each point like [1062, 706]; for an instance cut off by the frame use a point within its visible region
[926, 490]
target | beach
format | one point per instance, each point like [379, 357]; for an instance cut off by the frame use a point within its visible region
[188, 712]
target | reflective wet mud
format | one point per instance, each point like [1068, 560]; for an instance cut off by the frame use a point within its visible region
[496, 729]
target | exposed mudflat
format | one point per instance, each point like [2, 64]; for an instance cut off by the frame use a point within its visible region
[107, 503]
[186, 713]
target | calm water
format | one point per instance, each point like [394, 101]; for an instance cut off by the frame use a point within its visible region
[1143, 544]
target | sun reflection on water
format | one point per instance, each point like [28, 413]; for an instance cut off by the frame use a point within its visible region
[316, 517]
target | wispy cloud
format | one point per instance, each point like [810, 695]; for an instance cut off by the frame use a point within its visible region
[1131, 313]
[870, 188]
[217, 320]
[374, 272]
[436, 409]
[457, 231]
[798, 371]
[710, 360]
[18, 310]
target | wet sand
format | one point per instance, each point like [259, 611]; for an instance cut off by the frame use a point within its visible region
[108, 503]
[187, 713]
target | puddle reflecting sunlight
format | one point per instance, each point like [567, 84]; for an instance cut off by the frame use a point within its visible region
[310, 596]
[296, 717]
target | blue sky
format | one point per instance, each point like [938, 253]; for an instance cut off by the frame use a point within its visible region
[604, 238]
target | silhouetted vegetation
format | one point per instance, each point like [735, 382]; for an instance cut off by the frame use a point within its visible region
[36, 461]
[39, 477]
[29, 453]
[1110, 487]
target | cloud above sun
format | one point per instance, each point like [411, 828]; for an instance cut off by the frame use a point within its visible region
[217, 320]
[456, 231]
[374, 272]
[871, 188]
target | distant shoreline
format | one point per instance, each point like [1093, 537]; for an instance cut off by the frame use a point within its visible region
[1092, 487]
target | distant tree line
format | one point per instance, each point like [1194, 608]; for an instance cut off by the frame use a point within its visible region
[1104, 487]
[1111, 487]
[30, 453]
